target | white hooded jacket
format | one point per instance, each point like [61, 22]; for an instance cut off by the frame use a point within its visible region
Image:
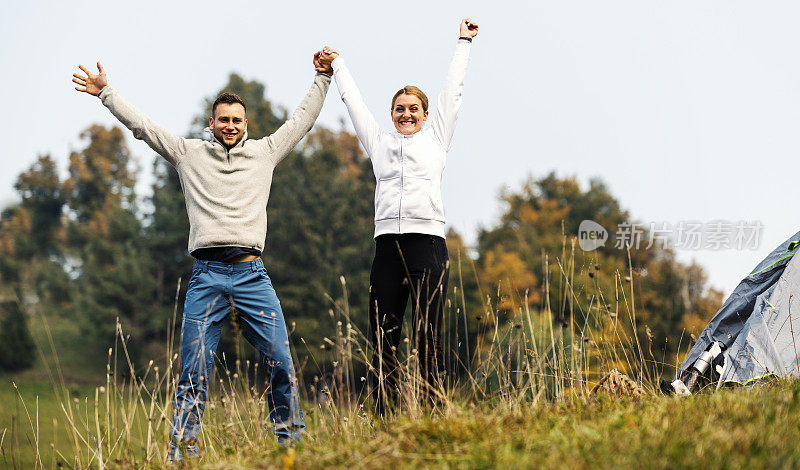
[408, 168]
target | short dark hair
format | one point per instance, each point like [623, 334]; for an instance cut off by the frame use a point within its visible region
[227, 98]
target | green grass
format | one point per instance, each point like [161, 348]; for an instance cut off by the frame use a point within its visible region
[82, 365]
[742, 428]
[43, 413]
[527, 402]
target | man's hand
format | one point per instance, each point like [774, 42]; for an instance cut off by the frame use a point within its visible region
[91, 83]
[468, 29]
[322, 64]
[325, 57]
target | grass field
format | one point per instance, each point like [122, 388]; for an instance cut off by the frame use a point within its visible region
[743, 428]
[527, 401]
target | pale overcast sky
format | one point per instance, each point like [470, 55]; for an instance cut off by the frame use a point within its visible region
[687, 110]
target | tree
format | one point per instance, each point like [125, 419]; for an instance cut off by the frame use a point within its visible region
[113, 276]
[536, 236]
[32, 235]
[100, 174]
[321, 227]
[167, 235]
[39, 188]
[17, 350]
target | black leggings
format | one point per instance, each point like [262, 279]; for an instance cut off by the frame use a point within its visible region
[406, 264]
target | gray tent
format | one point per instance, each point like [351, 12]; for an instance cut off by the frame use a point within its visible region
[756, 332]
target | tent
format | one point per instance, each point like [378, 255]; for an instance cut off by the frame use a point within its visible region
[756, 332]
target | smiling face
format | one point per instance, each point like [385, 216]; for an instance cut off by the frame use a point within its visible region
[228, 123]
[408, 114]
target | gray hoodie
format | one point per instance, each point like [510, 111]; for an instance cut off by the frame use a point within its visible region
[226, 190]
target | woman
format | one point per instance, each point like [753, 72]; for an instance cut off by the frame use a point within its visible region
[410, 253]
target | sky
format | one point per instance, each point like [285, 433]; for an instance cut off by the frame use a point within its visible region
[687, 110]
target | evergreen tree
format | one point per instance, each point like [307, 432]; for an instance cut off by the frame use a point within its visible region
[39, 188]
[31, 237]
[321, 227]
[168, 235]
[113, 276]
[17, 350]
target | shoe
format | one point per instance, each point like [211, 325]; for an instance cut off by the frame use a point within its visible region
[286, 442]
[177, 453]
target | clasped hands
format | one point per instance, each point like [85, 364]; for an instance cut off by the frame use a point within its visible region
[323, 59]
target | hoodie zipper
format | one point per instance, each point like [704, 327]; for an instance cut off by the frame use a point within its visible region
[227, 150]
[402, 184]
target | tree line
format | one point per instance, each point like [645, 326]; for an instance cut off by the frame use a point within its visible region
[89, 249]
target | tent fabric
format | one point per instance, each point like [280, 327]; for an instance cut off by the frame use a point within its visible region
[756, 325]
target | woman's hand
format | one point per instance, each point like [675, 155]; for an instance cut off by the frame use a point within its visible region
[329, 54]
[323, 59]
[468, 29]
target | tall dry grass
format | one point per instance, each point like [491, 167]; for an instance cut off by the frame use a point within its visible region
[530, 358]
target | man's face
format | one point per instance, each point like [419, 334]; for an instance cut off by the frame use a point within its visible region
[228, 123]
[407, 114]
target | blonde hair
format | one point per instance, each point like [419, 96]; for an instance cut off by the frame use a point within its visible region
[412, 90]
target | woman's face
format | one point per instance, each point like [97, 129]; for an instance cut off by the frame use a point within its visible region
[407, 114]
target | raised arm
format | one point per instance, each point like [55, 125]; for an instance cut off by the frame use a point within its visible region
[289, 134]
[162, 141]
[364, 122]
[444, 120]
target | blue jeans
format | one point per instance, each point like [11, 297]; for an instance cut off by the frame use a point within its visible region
[213, 289]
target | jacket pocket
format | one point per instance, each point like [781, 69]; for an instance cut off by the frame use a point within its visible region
[387, 198]
[417, 203]
[438, 209]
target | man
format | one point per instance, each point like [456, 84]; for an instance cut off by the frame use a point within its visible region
[226, 182]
